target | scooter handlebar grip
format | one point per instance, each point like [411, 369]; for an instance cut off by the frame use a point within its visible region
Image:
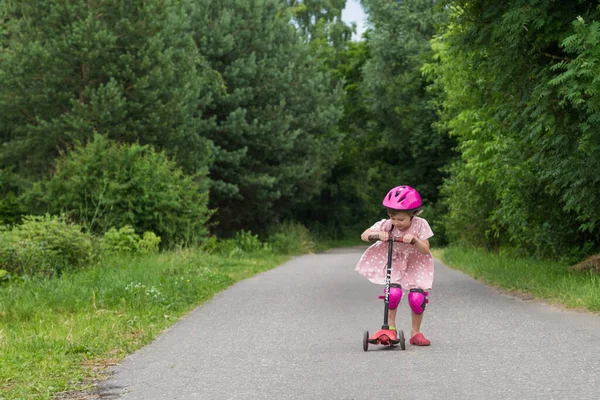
[401, 239]
[375, 238]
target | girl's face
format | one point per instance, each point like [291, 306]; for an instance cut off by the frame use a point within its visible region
[401, 221]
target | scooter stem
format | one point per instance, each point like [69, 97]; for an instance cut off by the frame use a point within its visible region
[388, 279]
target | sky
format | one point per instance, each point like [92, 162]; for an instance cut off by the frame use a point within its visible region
[354, 13]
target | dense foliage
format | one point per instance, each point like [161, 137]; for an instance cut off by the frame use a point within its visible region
[519, 83]
[44, 245]
[142, 189]
[322, 19]
[388, 137]
[410, 151]
[346, 201]
[274, 118]
[127, 70]
[229, 87]
[267, 111]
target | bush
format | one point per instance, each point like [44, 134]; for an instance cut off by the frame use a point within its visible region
[243, 242]
[149, 243]
[142, 189]
[210, 245]
[44, 245]
[125, 240]
[288, 238]
[10, 209]
[247, 242]
[292, 238]
[467, 204]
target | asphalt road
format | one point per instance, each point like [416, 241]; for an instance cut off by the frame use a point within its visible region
[295, 332]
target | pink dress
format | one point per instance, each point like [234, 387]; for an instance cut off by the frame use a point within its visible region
[410, 268]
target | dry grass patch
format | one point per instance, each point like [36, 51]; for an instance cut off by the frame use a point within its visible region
[589, 264]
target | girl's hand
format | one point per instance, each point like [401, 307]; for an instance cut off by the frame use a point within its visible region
[408, 238]
[383, 236]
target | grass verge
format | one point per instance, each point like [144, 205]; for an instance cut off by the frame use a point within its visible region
[57, 333]
[549, 281]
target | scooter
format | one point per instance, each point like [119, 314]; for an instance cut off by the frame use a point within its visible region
[385, 336]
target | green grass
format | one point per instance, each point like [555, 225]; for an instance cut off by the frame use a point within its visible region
[549, 281]
[57, 333]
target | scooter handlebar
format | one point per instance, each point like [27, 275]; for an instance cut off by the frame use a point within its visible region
[375, 238]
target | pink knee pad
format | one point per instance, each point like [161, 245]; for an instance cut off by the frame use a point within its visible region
[417, 299]
[395, 296]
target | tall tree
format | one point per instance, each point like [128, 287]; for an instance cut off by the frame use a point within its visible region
[344, 199]
[519, 84]
[322, 20]
[129, 70]
[410, 150]
[387, 131]
[273, 118]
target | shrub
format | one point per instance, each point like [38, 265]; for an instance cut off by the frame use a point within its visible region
[292, 238]
[125, 240]
[44, 245]
[210, 245]
[142, 189]
[149, 243]
[243, 242]
[247, 242]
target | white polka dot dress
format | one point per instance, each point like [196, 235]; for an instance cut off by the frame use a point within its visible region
[410, 268]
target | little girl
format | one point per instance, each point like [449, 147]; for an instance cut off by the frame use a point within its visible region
[412, 264]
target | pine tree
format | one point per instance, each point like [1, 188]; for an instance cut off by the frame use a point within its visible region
[126, 69]
[410, 150]
[274, 116]
[322, 20]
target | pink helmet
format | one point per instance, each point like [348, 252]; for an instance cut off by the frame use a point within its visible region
[402, 198]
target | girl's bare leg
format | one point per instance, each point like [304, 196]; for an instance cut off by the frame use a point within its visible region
[416, 323]
[392, 317]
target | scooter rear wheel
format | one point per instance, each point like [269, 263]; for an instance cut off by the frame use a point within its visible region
[401, 337]
[366, 341]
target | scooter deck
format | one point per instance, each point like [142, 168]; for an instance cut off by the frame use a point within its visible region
[385, 337]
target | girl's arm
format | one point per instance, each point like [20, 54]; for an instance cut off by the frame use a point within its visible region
[365, 235]
[422, 245]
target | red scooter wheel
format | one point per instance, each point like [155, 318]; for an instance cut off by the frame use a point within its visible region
[366, 341]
